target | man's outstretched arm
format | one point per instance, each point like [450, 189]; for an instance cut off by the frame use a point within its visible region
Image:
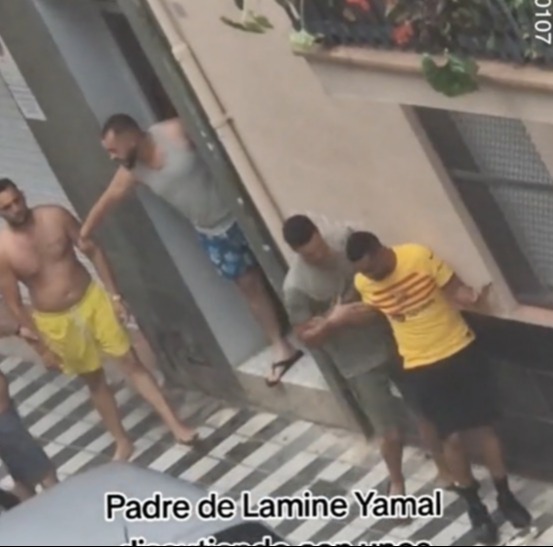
[92, 251]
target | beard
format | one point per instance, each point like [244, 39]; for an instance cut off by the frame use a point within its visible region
[20, 221]
[132, 157]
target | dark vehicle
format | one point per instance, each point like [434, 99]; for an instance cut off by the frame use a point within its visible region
[122, 504]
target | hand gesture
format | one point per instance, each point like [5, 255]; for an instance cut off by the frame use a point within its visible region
[347, 314]
[481, 295]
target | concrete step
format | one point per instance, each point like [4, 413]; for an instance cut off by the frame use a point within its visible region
[302, 393]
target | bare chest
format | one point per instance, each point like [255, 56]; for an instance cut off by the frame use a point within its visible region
[30, 254]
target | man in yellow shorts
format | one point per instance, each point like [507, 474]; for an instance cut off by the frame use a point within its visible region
[446, 375]
[74, 319]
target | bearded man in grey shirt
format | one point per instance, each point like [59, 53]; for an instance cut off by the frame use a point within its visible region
[322, 305]
[165, 160]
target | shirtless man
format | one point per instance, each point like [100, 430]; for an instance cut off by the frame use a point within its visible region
[73, 318]
[165, 160]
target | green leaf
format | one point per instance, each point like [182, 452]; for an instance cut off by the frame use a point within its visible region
[455, 77]
[249, 26]
[262, 21]
[302, 40]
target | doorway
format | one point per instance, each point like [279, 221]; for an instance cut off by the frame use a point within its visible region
[114, 75]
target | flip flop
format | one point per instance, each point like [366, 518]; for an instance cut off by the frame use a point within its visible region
[285, 365]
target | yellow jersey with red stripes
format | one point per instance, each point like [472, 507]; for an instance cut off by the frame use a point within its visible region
[426, 326]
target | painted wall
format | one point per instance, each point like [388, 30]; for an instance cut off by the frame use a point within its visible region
[344, 161]
[109, 86]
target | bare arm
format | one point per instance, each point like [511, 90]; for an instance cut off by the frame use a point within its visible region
[120, 187]
[461, 294]
[9, 289]
[93, 252]
[314, 333]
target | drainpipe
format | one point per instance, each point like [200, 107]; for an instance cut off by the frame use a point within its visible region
[218, 125]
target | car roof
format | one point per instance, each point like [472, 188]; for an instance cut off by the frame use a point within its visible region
[73, 512]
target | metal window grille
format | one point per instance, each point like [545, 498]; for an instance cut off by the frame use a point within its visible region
[508, 190]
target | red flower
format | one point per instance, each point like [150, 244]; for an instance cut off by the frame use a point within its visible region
[403, 34]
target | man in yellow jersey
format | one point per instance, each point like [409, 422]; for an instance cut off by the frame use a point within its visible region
[74, 320]
[360, 345]
[443, 371]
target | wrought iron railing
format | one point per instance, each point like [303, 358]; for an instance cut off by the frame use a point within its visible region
[514, 31]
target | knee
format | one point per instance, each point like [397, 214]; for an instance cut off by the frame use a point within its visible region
[130, 364]
[390, 438]
[95, 381]
[454, 441]
[427, 431]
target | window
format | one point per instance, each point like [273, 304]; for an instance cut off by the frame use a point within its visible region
[508, 190]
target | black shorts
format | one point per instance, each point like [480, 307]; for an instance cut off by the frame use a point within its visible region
[455, 394]
[397, 376]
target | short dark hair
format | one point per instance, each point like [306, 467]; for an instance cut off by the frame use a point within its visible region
[361, 244]
[7, 184]
[120, 123]
[298, 230]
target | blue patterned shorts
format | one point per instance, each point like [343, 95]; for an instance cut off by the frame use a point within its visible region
[229, 252]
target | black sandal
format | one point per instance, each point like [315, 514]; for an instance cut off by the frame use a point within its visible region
[285, 365]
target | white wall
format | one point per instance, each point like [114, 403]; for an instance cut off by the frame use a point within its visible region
[109, 86]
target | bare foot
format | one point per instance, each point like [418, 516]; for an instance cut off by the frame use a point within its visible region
[396, 489]
[123, 450]
[186, 435]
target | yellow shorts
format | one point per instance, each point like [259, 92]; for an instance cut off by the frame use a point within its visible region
[82, 335]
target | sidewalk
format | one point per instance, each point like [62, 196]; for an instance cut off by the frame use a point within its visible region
[247, 449]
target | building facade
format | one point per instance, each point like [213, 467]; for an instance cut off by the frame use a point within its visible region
[350, 132]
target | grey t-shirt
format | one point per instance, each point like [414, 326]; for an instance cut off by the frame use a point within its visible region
[311, 291]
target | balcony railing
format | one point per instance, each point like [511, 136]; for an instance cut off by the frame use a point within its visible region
[513, 31]
[518, 32]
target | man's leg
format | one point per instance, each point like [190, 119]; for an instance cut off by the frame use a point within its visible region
[233, 259]
[114, 340]
[427, 432]
[145, 384]
[104, 402]
[253, 288]
[22, 454]
[49, 480]
[480, 415]
[22, 491]
[486, 440]
[456, 397]
[374, 394]
[432, 442]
